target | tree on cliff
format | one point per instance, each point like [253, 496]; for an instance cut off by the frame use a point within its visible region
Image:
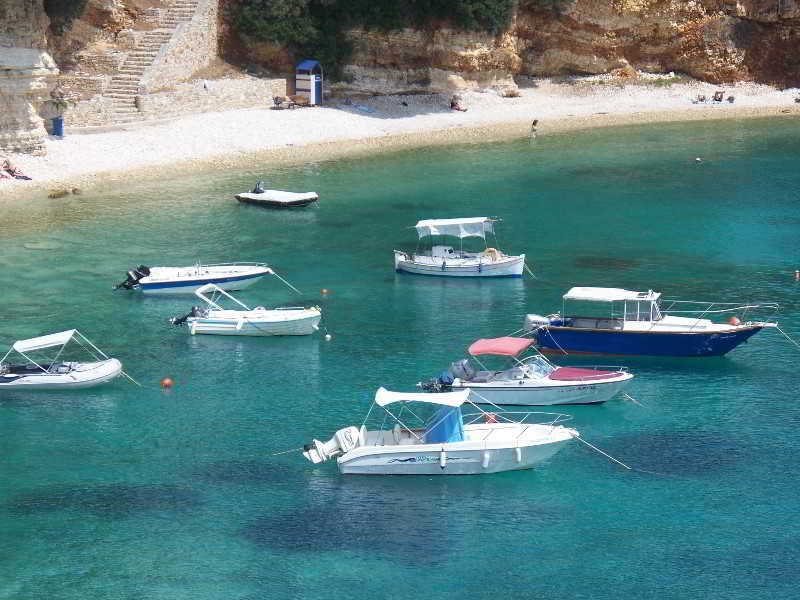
[315, 28]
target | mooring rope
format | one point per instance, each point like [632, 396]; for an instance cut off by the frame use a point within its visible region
[784, 334]
[596, 449]
[529, 271]
[632, 399]
[287, 451]
[287, 283]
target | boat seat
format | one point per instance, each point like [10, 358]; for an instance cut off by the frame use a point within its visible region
[482, 376]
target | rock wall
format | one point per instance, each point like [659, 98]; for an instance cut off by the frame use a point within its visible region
[714, 40]
[27, 73]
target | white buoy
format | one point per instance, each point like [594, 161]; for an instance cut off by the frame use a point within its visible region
[328, 337]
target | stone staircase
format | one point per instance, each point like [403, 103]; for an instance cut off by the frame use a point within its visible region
[124, 86]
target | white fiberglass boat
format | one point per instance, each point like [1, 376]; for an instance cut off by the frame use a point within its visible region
[276, 198]
[448, 443]
[531, 381]
[258, 321]
[186, 280]
[446, 261]
[55, 374]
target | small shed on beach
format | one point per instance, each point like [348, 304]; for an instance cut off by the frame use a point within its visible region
[308, 80]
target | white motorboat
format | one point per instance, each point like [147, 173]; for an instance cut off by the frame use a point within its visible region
[186, 280]
[56, 374]
[258, 321]
[531, 381]
[446, 261]
[448, 443]
[276, 198]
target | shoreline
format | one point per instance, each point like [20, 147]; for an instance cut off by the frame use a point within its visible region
[194, 143]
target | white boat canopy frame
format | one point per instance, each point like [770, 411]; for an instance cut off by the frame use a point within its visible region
[53, 340]
[384, 397]
[460, 228]
[598, 294]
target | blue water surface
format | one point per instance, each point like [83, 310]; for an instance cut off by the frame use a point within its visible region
[131, 493]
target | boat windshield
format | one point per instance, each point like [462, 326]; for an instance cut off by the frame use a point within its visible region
[538, 366]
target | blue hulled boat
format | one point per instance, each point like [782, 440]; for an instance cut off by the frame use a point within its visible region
[642, 323]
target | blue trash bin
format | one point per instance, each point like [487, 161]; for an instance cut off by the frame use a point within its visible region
[58, 126]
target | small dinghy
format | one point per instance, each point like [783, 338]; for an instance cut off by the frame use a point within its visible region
[643, 323]
[443, 442]
[444, 260]
[258, 321]
[276, 198]
[530, 381]
[56, 374]
[186, 280]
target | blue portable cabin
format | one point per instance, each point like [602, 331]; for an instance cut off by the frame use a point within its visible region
[308, 80]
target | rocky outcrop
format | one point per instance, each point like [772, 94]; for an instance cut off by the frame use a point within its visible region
[713, 40]
[27, 73]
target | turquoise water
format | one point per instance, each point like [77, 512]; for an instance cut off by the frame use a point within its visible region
[132, 493]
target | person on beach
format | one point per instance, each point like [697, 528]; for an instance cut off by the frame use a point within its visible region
[533, 127]
[10, 168]
[455, 104]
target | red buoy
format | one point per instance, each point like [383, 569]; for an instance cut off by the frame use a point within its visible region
[166, 383]
[734, 321]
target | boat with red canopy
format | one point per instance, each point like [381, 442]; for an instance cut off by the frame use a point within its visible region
[530, 381]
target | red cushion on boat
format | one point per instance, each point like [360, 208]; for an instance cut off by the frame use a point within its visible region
[576, 374]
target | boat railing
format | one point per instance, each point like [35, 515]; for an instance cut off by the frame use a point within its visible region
[592, 377]
[512, 418]
[233, 264]
[683, 307]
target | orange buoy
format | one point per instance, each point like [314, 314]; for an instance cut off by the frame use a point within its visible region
[490, 418]
[166, 383]
[734, 321]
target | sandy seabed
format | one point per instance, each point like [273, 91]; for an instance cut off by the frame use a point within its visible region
[242, 138]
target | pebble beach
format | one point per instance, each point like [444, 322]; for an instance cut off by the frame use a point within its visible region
[236, 138]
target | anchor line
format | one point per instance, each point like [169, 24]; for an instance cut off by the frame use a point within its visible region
[632, 399]
[784, 334]
[529, 271]
[286, 282]
[596, 449]
[287, 451]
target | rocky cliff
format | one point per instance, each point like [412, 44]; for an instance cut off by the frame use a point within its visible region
[26, 74]
[714, 40]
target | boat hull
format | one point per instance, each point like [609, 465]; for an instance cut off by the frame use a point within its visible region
[551, 395]
[251, 327]
[280, 200]
[456, 461]
[90, 375]
[189, 286]
[510, 267]
[606, 341]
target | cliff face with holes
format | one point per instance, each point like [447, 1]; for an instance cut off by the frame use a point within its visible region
[714, 40]
[26, 74]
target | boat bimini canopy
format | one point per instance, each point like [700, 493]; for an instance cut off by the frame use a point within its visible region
[52, 340]
[460, 228]
[44, 341]
[502, 346]
[384, 397]
[598, 294]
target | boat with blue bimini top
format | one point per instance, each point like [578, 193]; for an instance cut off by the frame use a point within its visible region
[642, 323]
[187, 280]
[56, 373]
[443, 260]
[529, 381]
[432, 436]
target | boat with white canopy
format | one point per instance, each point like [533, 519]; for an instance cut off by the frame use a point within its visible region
[445, 260]
[56, 373]
[186, 280]
[444, 442]
[258, 321]
[530, 381]
[643, 323]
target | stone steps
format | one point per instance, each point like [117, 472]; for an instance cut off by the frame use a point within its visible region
[124, 85]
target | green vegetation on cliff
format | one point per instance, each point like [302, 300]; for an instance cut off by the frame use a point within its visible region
[315, 28]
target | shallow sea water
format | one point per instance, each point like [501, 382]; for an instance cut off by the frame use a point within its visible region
[127, 493]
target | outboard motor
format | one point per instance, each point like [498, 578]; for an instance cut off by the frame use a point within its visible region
[533, 322]
[134, 275]
[259, 189]
[461, 369]
[342, 442]
[442, 383]
[195, 312]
